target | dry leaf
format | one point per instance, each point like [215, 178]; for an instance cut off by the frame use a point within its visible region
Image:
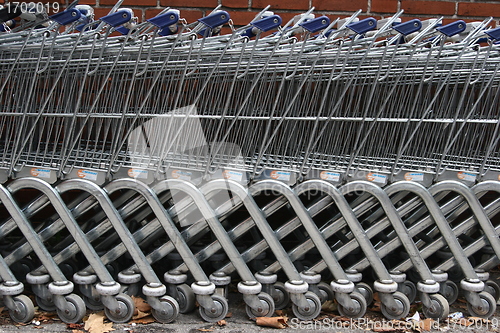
[74, 326]
[275, 322]
[280, 312]
[141, 305]
[426, 324]
[205, 329]
[229, 315]
[221, 322]
[95, 324]
[76, 331]
[140, 314]
[329, 306]
[145, 320]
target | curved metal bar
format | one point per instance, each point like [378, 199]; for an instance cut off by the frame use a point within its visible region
[118, 225]
[30, 234]
[260, 221]
[70, 223]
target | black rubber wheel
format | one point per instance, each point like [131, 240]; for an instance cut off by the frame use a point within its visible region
[125, 312]
[312, 311]
[169, 311]
[488, 306]
[75, 310]
[45, 305]
[492, 288]
[402, 310]
[365, 290]
[267, 307]
[359, 309]
[219, 311]
[26, 309]
[409, 289]
[441, 308]
[186, 299]
[326, 292]
[92, 303]
[449, 290]
[280, 296]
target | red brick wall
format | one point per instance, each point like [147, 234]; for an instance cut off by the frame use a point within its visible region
[242, 11]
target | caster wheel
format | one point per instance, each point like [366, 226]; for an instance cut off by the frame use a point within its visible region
[441, 308]
[311, 312]
[219, 311]
[449, 290]
[402, 310]
[280, 296]
[365, 290]
[26, 311]
[45, 305]
[75, 310]
[187, 298]
[125, 312]
[492, 288]
[409, 289]
[169, 311]
[359, 309]
[92, 303]
[487, 309]
[326, 292]
[267, 307]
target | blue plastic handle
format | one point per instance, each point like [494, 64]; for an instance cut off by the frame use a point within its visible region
[268, 23]
[66, 17]
[165, 20]
[167, 31]
[452, 28]
[493, 33]
[363, 26]
[118, 18]
[409, 27]
[11, 24]
[316, 24]
[123, 30]
[216, 19]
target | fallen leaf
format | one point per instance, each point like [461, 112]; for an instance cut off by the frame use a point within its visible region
[222, 322]
[329, 306]
[229, 315]
[140, 315]
[280, 312]
[205, 329]
[74, 326]
[426, 324]
[145, 320]
[141, 305]
[95, 324]
[275, 322]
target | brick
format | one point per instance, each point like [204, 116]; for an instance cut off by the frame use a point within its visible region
[242, 17]
[340, 5]
[384, 6]
[189, 3]
[100, 12]
[428, 7]
[479, 9]
[87, 2]
[281, 4]
[235, 3]
[134, 3]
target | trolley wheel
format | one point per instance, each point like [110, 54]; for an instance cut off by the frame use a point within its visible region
[125, 312]
[492, 288]
[267, 306]
[449, 290]
[409, 289]
[402, 310]
[280, 296]
[92, 303]
[186, 299]
[441, 307]
[487, 309]
[75, 310]
[45, 305]
[326, 292]
[169, 311]
[359, 309]
[26, 311]
[219, 311]
[311, 312]
[365, 290]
